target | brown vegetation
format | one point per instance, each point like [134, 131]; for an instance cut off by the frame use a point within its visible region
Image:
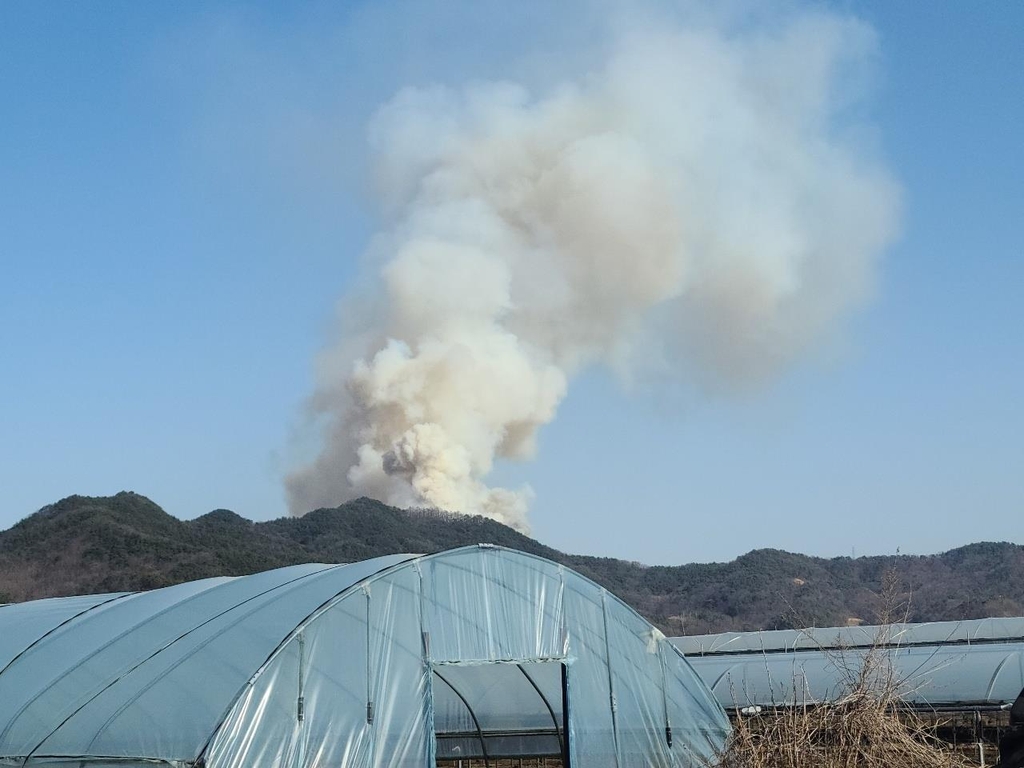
[864, 726]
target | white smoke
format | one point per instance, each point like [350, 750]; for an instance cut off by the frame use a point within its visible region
[700, 198]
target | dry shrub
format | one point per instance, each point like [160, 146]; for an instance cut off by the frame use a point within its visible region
[863, 726]
[858, 731]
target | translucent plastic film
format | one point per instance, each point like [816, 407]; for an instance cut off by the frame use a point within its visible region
[699, 725]
[639, 686]
[592, 735]
[392, 663]
[27, 623]
[308, 707]
[350, 688]
[463, 655]
[984, 674]
[492, 605]
[402, 733]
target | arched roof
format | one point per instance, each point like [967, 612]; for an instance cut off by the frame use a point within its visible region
[965, 632]
[942, 665]
[84, 674]
[937, 677]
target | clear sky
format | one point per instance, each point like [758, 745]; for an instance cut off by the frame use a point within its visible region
[181, 206]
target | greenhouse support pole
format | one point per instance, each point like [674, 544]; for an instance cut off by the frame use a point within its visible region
[566, 751]
[547, 704]
[612, 703]
[370, 687]
[300, 710]
[664, 694]
[472, 714]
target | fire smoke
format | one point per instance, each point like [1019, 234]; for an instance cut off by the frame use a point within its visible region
[704, 198]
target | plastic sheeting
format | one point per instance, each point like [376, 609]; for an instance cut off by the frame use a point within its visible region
[373, 664]
[27, 623]
[936, 677]
[966, 632]
[944, 664]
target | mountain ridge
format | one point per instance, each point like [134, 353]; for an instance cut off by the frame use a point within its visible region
[126, 542]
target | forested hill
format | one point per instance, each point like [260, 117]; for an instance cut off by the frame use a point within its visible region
[126, 542]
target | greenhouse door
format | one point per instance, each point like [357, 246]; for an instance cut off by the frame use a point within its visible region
[496, 711]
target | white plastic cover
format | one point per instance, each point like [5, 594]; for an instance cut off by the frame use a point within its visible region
[26, 623]
[983, 675]
[945, 664]
[373, 664]
[965, 632]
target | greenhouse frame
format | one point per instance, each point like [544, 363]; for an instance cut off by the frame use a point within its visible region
[476, 653]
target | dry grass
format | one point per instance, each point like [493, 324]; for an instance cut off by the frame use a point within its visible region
[862, 726]
[858, 731]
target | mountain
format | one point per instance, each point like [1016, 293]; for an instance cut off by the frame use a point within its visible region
[126, 542]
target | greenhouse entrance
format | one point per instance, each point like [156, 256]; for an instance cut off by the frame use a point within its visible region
[501, 715]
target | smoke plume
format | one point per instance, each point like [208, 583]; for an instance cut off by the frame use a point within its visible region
[704, 198]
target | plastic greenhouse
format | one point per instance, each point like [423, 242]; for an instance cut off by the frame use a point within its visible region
[977, 664]
[479, 654]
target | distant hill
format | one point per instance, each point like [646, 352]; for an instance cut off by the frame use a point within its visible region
[126, 542]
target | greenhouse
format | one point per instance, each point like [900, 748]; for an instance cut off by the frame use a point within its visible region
[464, 657]
[976, 664]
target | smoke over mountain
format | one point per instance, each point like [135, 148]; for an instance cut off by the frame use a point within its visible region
[702, 199]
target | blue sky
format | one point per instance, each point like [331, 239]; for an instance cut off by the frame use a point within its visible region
[182, 203]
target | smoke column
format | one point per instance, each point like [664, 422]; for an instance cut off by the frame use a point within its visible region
[702, 198]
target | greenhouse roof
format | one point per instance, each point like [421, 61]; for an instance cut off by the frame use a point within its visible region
[930, 633]
[81, 672]
[941, 665]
